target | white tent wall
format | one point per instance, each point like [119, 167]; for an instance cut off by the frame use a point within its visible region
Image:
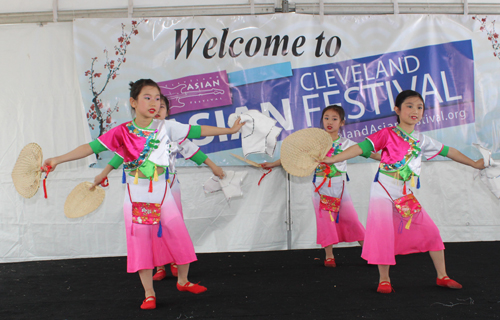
[42, 103]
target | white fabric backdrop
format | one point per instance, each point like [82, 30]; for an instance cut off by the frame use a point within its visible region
[41, 102]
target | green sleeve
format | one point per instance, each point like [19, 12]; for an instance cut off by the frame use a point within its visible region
[367, 148]
[116, 161]
[199, 157]
[97, 146]
[195, 133]
[444, 151]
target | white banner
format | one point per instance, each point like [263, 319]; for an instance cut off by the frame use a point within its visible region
[291, 66]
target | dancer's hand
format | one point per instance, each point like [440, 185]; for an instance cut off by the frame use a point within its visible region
[269, 165]
[479, 164]
[217, 171]
[236, 126]
[98, 180]
[329, 160]
[49, 165]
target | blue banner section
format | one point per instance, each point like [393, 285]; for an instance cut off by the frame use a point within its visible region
[275, 71]
[364, 87]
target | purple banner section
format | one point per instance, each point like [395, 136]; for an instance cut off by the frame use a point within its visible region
[365, 87]
[201, 91]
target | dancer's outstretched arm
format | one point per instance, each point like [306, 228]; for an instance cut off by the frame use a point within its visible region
[347, 154]
[216, 131]
[459, 157]
[80, 152]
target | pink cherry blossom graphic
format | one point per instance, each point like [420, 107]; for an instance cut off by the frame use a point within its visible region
[491, 34]
[101, 116]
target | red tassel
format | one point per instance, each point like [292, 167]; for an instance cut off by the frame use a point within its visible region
[330, 183]
[321, 184]
[44, 188]
[326, 171]
[404, 188]
[265, 174]
[46, 175]
[150, 185]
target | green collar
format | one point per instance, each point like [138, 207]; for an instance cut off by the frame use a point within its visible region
[410, 134]
[137, 126]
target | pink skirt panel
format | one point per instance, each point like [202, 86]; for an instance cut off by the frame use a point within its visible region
[145, 250]
[175, 188]
[348, 229]
[386, 235]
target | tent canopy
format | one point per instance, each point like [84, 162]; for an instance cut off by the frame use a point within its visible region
[44, 11]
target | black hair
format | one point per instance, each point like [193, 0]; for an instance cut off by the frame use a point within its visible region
[403, 95]
[335, 108]
[136, 87]
[165, 99]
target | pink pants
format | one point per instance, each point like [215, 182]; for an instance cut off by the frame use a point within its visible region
[348, 229]
[145, 250]
[386, 235]
[175, 188]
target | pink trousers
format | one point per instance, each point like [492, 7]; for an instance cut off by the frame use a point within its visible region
[145, 250]
[175, 188]
[386, 235]
[348, 228]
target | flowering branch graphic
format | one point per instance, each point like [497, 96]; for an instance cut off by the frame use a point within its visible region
[96, 112]
[492, 34]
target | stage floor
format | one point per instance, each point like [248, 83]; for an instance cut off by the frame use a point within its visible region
[259, 285]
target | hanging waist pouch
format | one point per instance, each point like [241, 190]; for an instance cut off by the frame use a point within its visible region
[328, 203]
[146, 212]
[331, 204]
[407, 206]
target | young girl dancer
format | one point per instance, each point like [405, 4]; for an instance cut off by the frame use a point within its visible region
[331, 227]
[388, 232]
[146, 144]
[191, 151]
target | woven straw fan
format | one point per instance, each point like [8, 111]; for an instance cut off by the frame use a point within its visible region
[303, 150]
[26, 174]
[82, 201]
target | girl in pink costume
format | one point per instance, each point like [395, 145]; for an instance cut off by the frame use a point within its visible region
[344, 226]
[189, 150]
[388, 233]
[146, 146]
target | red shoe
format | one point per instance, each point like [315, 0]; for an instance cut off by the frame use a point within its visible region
[160, 274]
[173, 270]
[385, 287]
[195, 288]
[330, 262]
[149, 303]
[448, 283]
